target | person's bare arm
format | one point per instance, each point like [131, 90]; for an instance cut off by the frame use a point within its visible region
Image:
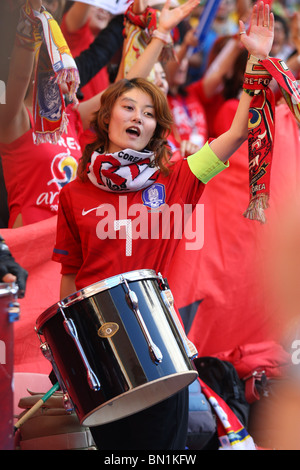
[222, 64]
[77, 16]
[67, 285]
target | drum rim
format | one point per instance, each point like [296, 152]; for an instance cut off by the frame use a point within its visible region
[106, 284]
[8, 288]
[96, 288]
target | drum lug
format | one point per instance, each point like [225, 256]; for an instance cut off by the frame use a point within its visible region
[132, 301]
[70, 328]
[46, 351]
[168, 300]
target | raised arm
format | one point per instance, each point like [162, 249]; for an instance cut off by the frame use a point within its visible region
[168, 20]
[218, 69]
[77, 16]
[189, 40]
[14, 120]
[258, 42]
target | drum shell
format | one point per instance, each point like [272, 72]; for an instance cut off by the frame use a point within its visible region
[130, 380]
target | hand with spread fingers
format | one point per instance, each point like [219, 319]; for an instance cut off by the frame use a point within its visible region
[258, 41]
[169, 18]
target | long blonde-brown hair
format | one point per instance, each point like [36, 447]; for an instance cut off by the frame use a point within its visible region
[158, 143]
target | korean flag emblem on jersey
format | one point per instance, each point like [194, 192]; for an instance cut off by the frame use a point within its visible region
[154, 196]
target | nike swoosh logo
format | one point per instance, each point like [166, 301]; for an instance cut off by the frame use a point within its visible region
[84, 212]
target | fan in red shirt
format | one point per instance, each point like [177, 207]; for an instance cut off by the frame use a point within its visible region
[126, 181]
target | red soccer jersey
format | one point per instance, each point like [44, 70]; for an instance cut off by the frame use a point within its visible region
[35, 174]
[102, 234]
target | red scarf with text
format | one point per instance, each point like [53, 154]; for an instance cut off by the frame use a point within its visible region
[261, 126]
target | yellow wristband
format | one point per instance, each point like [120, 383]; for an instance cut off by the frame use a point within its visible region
[204, 164]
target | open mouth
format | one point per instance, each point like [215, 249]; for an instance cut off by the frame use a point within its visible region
[135, 131]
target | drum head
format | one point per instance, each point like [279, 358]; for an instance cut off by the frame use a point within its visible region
[139, 399]
[106, 284]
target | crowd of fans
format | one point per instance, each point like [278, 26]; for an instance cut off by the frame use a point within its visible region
[203, 84]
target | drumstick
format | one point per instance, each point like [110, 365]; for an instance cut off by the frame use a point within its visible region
[35, 407]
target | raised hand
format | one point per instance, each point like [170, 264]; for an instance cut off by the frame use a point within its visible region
[258, 41]
[170, 18]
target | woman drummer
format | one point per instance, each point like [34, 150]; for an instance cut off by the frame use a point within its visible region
[122, 213]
